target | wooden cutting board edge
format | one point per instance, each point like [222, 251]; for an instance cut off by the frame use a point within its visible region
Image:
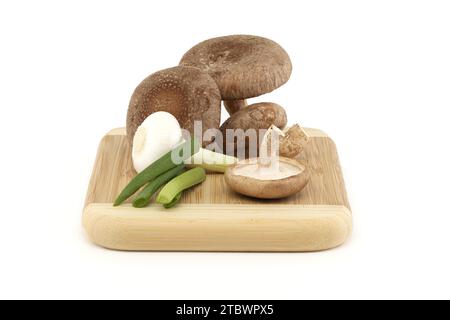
[232, 227]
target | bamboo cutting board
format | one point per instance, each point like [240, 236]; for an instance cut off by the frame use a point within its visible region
[210, 217]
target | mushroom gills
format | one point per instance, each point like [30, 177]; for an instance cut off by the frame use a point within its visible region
[251, 178]
[254, 170]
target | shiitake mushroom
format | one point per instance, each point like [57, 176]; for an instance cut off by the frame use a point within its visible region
[243, 66]
[188, 93]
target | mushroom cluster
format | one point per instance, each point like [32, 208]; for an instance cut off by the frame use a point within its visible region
[244, 67]
[231, 69]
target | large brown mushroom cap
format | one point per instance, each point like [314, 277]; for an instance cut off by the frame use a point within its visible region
[243, 66]
[267, 189]
[187, 93]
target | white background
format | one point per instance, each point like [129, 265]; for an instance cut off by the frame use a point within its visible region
[375, 75]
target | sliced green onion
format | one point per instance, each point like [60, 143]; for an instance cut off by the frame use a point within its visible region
[164, 164]
[146, 194]
[182, 182]
[174, 201]
[210, 161]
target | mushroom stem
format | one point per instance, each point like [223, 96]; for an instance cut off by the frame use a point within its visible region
[234, 106]
[269, 156]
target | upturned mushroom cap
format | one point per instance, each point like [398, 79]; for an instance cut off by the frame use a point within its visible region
[243, 66]
[264, 188]
[186, 92]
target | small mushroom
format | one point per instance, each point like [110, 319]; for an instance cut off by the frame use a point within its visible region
[259, 116]
[252, 178]
[188, 93]
[292, 140]
[243, 66]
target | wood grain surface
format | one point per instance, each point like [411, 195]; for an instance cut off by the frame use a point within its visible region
[211, 217]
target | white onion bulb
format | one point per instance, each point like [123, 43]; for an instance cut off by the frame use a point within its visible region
[157, 135]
